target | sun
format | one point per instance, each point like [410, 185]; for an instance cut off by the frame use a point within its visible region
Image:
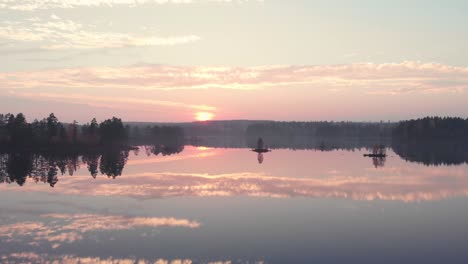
[203, 116]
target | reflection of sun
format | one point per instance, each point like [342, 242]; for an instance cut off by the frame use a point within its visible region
[203, 116]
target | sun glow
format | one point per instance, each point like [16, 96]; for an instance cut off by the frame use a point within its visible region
[203, 116]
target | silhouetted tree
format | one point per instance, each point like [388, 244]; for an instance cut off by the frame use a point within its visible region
[52, 127]
[112, 131]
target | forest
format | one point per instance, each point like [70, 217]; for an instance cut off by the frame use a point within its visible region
[432, 128]
[48, 133]
[320, 129]
[16, 132]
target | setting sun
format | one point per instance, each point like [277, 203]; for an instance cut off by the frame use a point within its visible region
[203, 116]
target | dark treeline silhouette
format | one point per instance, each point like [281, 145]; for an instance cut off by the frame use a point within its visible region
[432, 140]
[155, 133]
[233, 128]
[319, 129]
[17, 133]
[432, 128]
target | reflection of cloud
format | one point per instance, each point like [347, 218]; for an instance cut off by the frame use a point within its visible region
[401, 184]
[90, 222]
[71, 227]
[31, 257]
[58, 34]
[386, 78]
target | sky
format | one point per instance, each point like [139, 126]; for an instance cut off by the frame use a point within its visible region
[185, 60]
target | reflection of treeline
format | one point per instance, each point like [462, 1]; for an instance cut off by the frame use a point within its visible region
[164, 149]
[16, 132]
[432, 128]
[433, 152]
[46, 166]
[319, 129]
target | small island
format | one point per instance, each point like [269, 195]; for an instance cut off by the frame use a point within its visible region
[261, 148]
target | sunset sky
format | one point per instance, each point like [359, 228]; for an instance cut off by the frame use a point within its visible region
[182, 60]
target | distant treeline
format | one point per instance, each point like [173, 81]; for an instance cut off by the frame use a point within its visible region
[51, 134]
[164, 140]
[320, 129]
[45, 166]
[428, 128]
[432, 128]
[157, 134]
[16, 132]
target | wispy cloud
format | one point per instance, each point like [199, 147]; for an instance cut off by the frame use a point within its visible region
[68, 228]
[386, 78]
[29, 5]
[59, 34]
[32, 257]
[107, 101]
[398, 184]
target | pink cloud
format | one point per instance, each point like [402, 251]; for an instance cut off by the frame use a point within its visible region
[175, 93]
[72, 227]
[372, 78]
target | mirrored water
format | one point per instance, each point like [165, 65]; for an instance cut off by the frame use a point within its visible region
[231, 205]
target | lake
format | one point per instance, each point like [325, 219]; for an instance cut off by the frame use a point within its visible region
[200, 204]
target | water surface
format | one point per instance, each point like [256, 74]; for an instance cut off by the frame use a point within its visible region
[202, 205]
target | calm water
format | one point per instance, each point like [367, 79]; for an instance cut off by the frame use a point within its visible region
[218, 205]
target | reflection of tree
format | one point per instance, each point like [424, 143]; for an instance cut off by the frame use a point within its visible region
[92, 162]
[260, 158]
[52, 175]
[19, 166]
[3, 169]
[378, 152]
[164, 150]
[72, 164]
[378, 161]
[433, 152]
[45, 166]
[113, 162]
[165, 140]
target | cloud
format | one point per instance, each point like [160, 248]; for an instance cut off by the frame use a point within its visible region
[32, 257]
[29, 5]
[367, 78]
[109, 101]
[396, 184]
[62, 34]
